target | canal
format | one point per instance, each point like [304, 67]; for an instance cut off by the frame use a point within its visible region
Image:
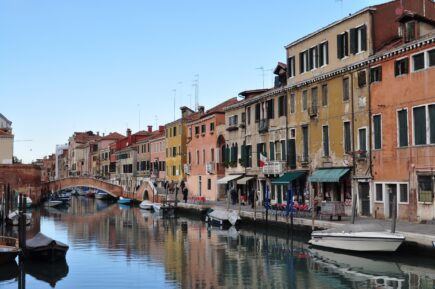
[113, 246]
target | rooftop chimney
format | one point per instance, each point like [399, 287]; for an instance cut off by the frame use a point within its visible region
[150, 128]
[161, 128]
[128, 132]
[201, 109]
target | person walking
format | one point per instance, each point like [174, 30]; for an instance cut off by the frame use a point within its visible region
[185, 192]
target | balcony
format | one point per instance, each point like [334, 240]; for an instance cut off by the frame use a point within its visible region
[187, 168]
[304, 160]
[263, 126]
[312, 111]
[232, 127]
[274, 167]
[360, 155]
[210, 167]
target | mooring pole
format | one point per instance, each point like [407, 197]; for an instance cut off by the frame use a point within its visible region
[393, 222]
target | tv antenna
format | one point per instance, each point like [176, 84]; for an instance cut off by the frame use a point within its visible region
[196, 85]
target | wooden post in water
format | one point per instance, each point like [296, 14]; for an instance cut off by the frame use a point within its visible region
[313, 208]
[394, 214]
[353, 209]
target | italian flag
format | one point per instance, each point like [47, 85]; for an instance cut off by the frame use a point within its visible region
[263, 159]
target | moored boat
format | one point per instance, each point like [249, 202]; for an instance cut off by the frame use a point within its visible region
[13, 218]
[358, 237]
[53, 203]
[146, 205]
[101, 195]
[222, 217]
[42, 247]
[8, 249]
[124, 201]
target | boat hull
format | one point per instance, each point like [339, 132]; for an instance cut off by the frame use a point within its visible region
[357, 243]
[146, 205]
[50, 253]
[7, 254]
[124, 201]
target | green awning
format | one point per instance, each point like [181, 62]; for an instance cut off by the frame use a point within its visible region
[328, 175]
[288, 177]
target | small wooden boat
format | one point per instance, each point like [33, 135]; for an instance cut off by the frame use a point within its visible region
[146, 205]
[222, 217]
[13, 218]
[44, 248]
[53, 203]
[8, 271]
[28, 201]
[8, 249]
[101, 195]
[124, 201]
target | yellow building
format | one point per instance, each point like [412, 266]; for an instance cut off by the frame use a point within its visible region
[176, 133]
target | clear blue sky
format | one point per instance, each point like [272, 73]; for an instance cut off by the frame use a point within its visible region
[78, 65]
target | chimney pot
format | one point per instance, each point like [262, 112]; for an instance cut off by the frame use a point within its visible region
[128, 132]
[150, 128]
[201, 109]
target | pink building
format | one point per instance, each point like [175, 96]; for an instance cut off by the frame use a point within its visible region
[158, 155]
[205, 138]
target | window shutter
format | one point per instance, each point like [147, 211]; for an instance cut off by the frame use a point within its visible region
[377, 131]
[272, 151]
[380, 73]
[244, 155]
[227, 154]
[283, 151]
[292, 153]
[317, 55]
[420, 125]
[406, 65]
[289, 67]
[340, 46]
[327, 53]
[346, 43]
[353, 40]
[236, 152]
[320, 55]
[432, 123]
[301, 62]
[364, 38]
[403, 128]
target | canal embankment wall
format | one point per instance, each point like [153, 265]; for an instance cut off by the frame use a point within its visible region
[22, 178]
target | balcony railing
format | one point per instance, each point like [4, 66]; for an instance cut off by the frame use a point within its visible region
[312, 111]
[187, 168]
[304, 160]
[263, 125]
[361, 155]
[274, 167]
[210, 167]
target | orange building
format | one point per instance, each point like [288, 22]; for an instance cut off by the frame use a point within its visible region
[205, 139]
[403, 123]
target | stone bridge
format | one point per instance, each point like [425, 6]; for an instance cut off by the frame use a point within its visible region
[66, 183]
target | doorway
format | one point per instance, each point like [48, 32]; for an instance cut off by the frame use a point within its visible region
[364, 196]
[391, 191]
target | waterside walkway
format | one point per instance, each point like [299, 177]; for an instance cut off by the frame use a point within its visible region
[420, 234]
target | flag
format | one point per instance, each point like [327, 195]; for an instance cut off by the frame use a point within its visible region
[263, 159]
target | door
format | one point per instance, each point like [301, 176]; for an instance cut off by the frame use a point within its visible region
[391, 191]
[364, 196]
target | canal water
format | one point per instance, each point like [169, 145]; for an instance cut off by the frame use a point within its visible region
[113, 246]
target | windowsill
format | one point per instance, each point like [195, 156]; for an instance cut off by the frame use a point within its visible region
[424, 203]
[378, 202]
[403, 203]
[401, 75]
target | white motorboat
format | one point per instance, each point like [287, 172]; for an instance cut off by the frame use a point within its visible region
[53, 203]
[101, 195]
[146, 205]
[13, 218]
[358, 237]
[28, 201]
[221, 217]
[157, 206]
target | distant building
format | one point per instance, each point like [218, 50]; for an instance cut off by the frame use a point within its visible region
[6, 141]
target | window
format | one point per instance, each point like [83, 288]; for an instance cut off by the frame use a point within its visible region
[281, 105]
[346, 89]
[379, 193]
[260, 150]
[232, 120]
[403, 189]
[196, 129]
[211, 126]
[323, 54]
[203, 129]
[203, 156]
[270, 109]
[325, 141]
[419, 125]
[292, 103]
[362, 80]
[197, 157]
[291, 67]
[209, 184]
[425, 189]
[272, 151]
[424, 124]
[314, 99]
[377, 132]
[189, 158]
[376, 74]
[248, 114]
[313, 54]
[431, 57]
[410, 31]
[402, 127]
[304, 100]
[418, 61]
[362, 135]
[342, 45]
[325, 94]
[212, 154]
[174, 151]
[243, 117]
[248, 151]
[346, 134]
[358, 39]
[303, 61]
[175, 131]
[401, 67]
[190, 132]
[257, 112]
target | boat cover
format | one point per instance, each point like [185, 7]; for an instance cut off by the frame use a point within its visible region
[40, 240]
[353, 228]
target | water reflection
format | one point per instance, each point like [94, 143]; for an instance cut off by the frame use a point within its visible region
[123, 247]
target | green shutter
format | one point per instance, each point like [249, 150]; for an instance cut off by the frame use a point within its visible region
[272, 151]
[283, 151]
[227, 154]
[258, 154]
[403, 128]
[377, 131]
[432, 123]
[420, 125]
[244, 155]
[292, 153]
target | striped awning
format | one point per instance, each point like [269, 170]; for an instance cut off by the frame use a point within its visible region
[227, 179]
[244, 180]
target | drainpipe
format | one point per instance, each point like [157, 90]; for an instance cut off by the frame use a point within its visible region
[353, 149]
[370, 129]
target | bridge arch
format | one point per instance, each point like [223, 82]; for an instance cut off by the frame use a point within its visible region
[66, 183]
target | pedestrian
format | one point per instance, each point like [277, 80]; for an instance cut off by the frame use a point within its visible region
[185, 192]
[252, 197]
[233, 195]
